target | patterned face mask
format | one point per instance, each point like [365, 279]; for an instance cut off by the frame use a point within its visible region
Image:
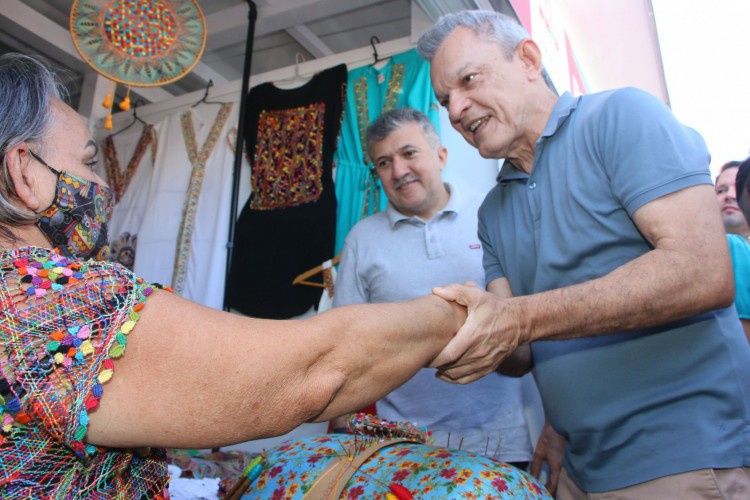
[76, 221]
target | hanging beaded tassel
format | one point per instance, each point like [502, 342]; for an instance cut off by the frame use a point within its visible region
[108, 101]
[125, 104]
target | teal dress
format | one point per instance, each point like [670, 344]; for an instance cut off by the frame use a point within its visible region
[740, 251]
[403, 81]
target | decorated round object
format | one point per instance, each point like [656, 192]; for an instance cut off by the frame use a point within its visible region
[353, 467]
[143, 43]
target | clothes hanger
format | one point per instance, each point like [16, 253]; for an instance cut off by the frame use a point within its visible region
[376, 59]
[136, 118]
[302, 278]
[205, 95]
[299, 58]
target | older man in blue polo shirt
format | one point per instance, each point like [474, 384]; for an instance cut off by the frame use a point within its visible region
[426, 237]
[609, 271]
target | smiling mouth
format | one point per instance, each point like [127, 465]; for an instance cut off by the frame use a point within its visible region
[475, 125]
[403, 182]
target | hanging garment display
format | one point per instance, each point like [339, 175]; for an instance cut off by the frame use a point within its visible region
[130, 186]
[198, 159]
[403, 81]
[289, 223]
[185, 226]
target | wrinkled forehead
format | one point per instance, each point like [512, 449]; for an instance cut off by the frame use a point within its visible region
[68, 123]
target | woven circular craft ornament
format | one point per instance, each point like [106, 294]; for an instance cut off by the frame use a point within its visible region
[143, 43]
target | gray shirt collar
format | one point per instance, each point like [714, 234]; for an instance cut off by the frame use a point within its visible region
[454, 204]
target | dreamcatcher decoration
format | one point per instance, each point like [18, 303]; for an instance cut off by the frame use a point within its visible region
[138, 43]
[383, 460]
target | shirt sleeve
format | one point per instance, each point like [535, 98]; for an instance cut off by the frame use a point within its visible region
[646, 152]
[74, 324]
[350, 287]
[493, 269]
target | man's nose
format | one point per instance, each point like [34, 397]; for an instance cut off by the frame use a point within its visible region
[399, 168]
[457, 106]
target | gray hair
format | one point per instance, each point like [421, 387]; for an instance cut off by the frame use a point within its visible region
[488, 25]
[27, 87]
[394, 119]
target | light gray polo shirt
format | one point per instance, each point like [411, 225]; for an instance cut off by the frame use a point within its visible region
[391, 257]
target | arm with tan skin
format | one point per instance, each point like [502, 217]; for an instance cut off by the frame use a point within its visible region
[199, 378]
[670, 282]
[350, 289]
[746, 327]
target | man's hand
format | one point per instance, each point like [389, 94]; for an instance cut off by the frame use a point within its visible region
[490, 334]
[549, 449]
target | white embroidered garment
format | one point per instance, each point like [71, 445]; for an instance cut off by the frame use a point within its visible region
[128, 162]
[205, 262]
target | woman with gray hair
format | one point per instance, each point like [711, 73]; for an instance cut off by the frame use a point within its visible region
[99, 370]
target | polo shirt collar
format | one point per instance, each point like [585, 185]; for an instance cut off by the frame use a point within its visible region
[564, 107]
[455, 202]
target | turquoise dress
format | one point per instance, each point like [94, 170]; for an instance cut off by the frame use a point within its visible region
[740, 250]
[403, 81]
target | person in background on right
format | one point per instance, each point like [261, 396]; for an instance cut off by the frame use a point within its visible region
[733, 218]
[731, 184]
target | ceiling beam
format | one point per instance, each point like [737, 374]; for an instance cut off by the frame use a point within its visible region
[206, 73]
[227, 26]
[40, 33]
[310, 41]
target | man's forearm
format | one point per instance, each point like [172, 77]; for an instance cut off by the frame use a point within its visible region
[658, 287]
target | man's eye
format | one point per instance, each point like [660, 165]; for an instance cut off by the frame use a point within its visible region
[468, 78]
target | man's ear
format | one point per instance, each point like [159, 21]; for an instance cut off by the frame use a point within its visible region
[442, 156]
[18, 161]
[531, 57]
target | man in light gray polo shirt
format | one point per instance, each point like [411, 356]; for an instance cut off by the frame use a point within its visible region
[427, 237]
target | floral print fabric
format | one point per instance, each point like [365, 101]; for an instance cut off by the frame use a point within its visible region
[427, 472]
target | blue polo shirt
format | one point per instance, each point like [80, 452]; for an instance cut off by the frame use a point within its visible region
[636, 405]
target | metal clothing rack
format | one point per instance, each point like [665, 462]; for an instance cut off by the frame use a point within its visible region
[252, 17]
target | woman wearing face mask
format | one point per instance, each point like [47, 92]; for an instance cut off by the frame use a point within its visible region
[100, 370]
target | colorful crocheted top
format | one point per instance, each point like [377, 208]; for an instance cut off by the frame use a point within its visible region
[62, 322]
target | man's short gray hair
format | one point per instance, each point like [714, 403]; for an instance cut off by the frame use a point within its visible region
[394, 119]
[27, 87]
[488, 25]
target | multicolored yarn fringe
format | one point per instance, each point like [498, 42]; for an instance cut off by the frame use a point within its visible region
[62, 323]
[364, 424]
